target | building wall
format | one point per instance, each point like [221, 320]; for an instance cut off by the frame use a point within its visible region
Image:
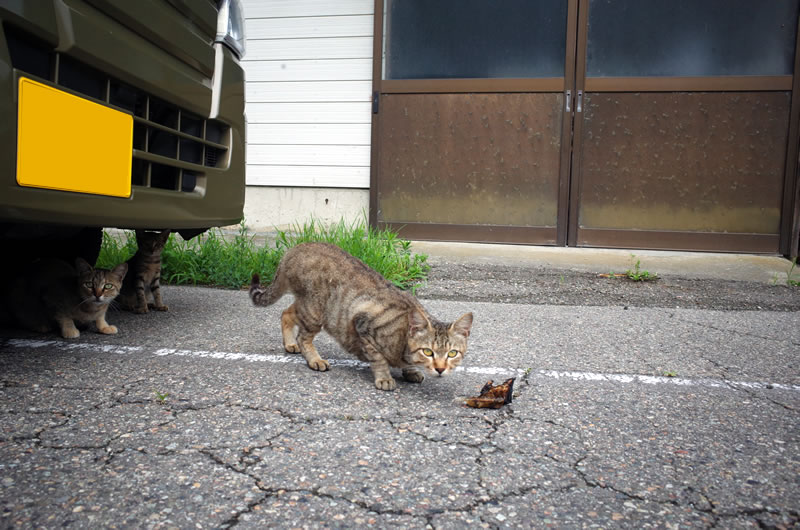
[309, 86]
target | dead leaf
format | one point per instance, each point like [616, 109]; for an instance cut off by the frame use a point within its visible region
[493, 397]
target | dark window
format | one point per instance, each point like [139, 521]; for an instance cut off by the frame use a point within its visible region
[638, 38]
[428, 39]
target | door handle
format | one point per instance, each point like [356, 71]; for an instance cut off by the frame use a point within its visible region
[579, 105]
[568, 98]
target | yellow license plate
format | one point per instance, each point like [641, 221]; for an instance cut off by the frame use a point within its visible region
[68, 143]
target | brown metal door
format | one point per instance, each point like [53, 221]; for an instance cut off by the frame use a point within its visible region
[613, 123]
[682, 138]
[471, 140]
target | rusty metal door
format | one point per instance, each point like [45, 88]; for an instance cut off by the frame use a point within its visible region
[470, 138]
[587, 122]
[682, 137]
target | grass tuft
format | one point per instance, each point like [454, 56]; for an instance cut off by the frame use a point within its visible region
[382, 250]
[791, 282]
[636, 274]
[229, 261]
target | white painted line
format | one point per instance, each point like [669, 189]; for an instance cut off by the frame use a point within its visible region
[481, 370]
[71, 346]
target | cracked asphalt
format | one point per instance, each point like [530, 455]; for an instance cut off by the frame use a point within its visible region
[636, 406]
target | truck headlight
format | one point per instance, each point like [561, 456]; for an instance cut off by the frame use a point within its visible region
[230, 26]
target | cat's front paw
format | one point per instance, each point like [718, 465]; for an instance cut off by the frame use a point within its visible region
[413, 375]
[385, 384]
[320, 365]
[108, 330]
[162, 307]
[140, 310]
[70, 333]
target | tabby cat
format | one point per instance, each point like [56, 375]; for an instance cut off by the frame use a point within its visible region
[367, 315]
[143, 282]
[53, 294]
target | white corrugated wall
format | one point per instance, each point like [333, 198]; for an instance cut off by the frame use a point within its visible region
[309, 79]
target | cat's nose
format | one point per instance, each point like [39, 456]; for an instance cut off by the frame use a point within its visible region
[440, 370]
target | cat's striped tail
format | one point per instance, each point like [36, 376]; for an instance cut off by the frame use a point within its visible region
[268, 295]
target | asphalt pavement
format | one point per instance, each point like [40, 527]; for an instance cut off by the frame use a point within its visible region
[625, 415]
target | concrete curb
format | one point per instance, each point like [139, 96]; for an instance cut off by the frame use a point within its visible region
[694, 265]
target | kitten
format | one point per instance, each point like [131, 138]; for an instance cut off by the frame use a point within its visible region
[143, 283]
[53, 294]
[367, 315]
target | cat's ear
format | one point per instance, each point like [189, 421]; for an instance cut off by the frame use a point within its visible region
[82, 266]
[164, 235]
[462, 325]
[120, 270]
[417, 323]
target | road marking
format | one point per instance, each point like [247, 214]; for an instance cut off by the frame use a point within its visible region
[480, 370]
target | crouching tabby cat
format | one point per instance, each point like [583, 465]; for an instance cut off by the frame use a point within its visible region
[367, 315]
[143, 282]
[54, 295]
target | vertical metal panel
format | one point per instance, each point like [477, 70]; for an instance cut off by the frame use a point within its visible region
[570, 79]
[470, 159]
[693, 162]
[790, 223]
[377, 76]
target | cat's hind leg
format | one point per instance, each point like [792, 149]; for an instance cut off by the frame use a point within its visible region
[307, 328]
[314, 361]
[289, 329]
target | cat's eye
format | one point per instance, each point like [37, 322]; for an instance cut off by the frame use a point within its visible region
[88, 285]
[427, 352]
[452, 353]
[108, 286]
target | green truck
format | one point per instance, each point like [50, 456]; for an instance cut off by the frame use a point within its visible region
[118, 114]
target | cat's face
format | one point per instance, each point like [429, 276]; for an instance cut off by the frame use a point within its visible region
[435, 346]
[99, 286]
[151, 243]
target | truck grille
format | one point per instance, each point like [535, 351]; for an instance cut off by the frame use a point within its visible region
[172, 147]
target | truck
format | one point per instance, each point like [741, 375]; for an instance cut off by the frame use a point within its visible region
[118, 114]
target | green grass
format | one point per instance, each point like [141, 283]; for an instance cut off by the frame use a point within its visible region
[230, 261]
[791, 282]
[636, 274]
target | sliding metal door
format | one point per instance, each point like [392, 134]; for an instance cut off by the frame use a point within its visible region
[683, 138]
[470, 137]
[661, 124]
